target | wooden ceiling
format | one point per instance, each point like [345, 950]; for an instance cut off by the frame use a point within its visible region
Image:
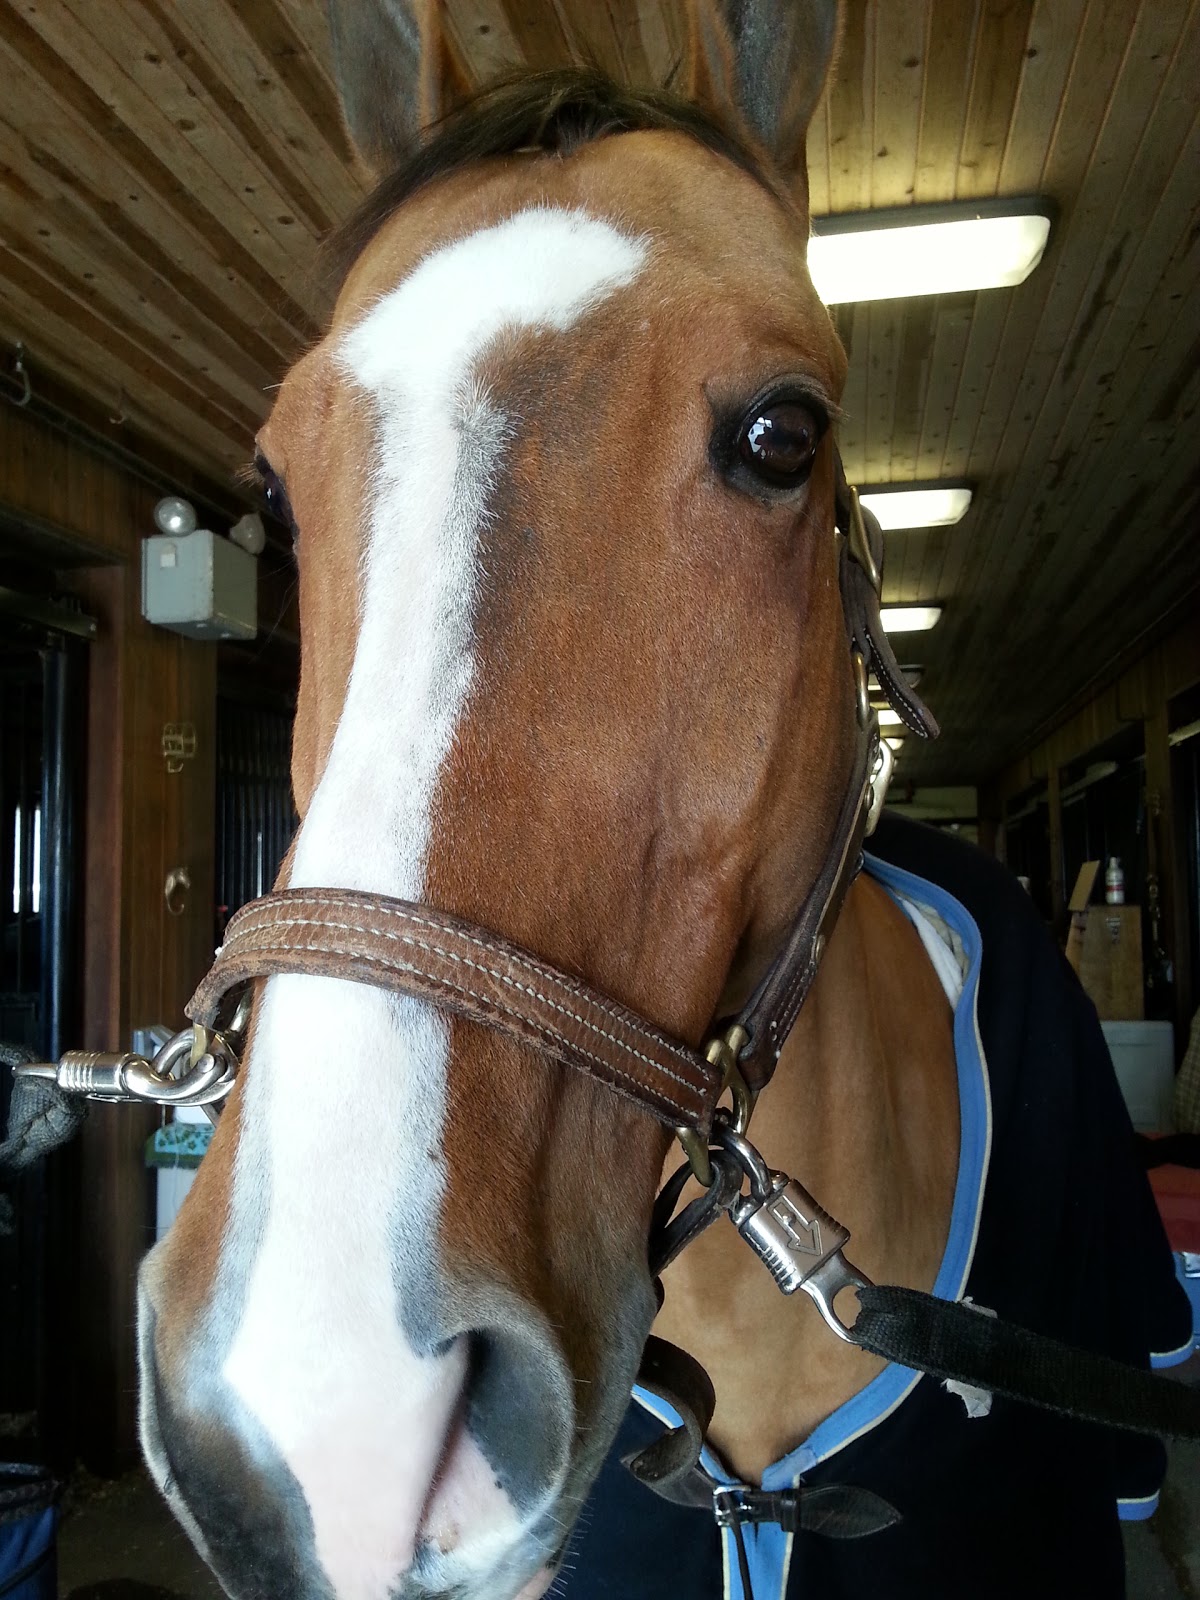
[168, 168]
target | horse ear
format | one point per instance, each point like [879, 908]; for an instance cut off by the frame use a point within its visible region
[764, 63]
[389, 59]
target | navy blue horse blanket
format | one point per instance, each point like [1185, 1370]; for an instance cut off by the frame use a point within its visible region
[1054, 1227]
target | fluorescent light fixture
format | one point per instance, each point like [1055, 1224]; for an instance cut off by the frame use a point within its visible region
[888, 255]
[889, 718]
[909, 619]
[926, 505]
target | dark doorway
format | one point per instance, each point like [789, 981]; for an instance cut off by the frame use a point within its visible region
[256, 817]
[42, 676]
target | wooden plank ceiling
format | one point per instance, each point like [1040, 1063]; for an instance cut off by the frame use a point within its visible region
[167, 171]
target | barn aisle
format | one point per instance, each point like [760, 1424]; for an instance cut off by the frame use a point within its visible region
[1163, 1555]
[118, 1541]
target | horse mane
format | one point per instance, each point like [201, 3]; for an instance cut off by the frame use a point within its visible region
[557, 112]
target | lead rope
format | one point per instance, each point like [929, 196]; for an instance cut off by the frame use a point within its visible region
[40, 1118]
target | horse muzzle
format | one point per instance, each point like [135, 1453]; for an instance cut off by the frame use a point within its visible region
[460, 1496]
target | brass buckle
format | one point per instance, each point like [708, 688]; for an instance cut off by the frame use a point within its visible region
[859, 544]
[881, 777]
[862, 687]
[722, 1051]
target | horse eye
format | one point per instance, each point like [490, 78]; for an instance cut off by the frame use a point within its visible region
[276, 497]
[778, 442]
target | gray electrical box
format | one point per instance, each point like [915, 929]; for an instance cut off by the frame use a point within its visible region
[200, 585]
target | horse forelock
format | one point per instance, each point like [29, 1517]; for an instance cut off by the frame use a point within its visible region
[557, 112]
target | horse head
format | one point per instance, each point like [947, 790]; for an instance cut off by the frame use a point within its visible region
[574, 669]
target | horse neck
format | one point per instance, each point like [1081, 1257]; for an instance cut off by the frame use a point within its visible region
[863, 1109]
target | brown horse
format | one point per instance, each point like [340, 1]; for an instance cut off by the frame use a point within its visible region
[561, 478]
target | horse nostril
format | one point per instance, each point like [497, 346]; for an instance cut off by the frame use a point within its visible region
[508, 1451]
[520, 1412]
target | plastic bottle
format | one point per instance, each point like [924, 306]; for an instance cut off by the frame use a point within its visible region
[1114, 882]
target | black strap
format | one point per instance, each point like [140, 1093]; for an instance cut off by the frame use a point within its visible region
[950, 1340]
[833, 1510]
[945, 1339]
[669, 1466]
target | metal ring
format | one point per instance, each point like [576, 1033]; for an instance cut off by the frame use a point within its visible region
[695, 1149]
[748, 1158]
[881, 777]
[240, 1020]
[859, 541]
[180, 1047]
[143, 1082]
[862, 690]
[723, 1052]
[20, 370]
[179, 881]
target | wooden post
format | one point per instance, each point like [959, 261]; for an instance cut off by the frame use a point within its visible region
[140, 961]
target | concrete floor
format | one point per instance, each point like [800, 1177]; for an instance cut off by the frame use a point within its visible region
[119, 1542]
[1163, 1555]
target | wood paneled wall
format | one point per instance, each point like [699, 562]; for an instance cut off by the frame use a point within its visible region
[1139, 690]
[140, 962]
[84, 483]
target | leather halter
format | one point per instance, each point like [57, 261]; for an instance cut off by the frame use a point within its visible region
[477, 974]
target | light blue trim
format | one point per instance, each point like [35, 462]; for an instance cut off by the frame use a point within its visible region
[883, 1394]
[766, 1544]
[767, 1552]
[768, 1548]
[1172, 1358]
[1140, 1510]
[1189, 1282]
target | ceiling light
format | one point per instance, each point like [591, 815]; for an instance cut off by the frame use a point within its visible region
[909, 619]
[887, 255]
[175, 516]
[930, 506]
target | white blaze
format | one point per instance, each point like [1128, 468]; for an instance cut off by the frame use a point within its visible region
[339, 1167]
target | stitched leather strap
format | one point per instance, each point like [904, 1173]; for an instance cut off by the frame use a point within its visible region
[771, 1012]
[410, 949]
